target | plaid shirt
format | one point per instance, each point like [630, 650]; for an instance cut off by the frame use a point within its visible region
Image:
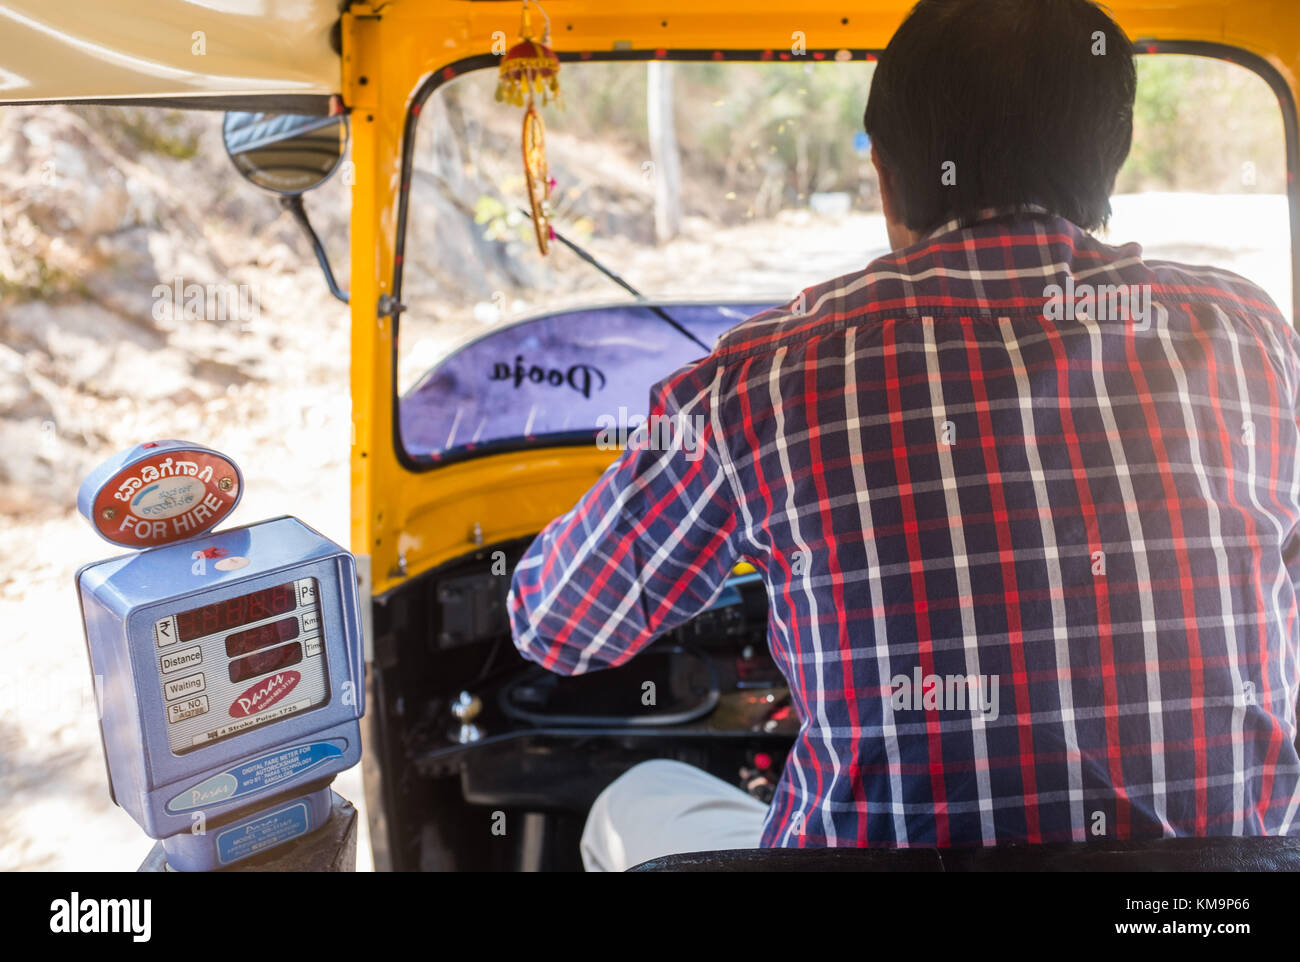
[958, 482]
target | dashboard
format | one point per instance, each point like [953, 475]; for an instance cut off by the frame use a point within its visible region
[708, 689]
[713, 674]
[463, 725]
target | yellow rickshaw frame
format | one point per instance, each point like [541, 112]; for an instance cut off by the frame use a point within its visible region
[406, 521]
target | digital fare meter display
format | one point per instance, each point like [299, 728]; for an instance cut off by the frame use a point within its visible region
[234, 612]
[236, 664]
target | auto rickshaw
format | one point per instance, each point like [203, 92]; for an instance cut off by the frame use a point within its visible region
[474, 759]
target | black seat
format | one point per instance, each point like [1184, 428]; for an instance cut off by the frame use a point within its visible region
[1218, 854]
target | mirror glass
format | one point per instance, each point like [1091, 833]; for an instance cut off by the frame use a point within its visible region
[285, 153]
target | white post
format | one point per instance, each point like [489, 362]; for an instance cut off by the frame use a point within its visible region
[667, 172]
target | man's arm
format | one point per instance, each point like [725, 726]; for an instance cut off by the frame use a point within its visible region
[643, 551]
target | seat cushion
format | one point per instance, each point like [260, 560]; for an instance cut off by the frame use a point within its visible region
[1218, 854]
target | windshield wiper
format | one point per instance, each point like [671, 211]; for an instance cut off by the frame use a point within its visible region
[622, 283]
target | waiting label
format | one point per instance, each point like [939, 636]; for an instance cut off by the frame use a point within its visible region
[179, 687]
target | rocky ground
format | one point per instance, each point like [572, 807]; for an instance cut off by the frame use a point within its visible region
[90, 365]
[91, 223]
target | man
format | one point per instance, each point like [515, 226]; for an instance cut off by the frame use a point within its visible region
[1026, 504]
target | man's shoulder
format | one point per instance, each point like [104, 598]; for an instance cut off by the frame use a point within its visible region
[1215, 285]
[930, 278]
[986, 269]
[814, 310]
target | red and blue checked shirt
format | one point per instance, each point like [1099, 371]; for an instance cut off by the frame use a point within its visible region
[944, 473]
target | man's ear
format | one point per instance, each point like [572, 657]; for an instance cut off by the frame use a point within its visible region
[900, 235]
[886, 181]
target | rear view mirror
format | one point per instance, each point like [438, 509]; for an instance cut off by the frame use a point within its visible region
[285, 153]
[289, 154]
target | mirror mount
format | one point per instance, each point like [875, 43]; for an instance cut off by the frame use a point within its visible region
[288, 155]
[293, 204]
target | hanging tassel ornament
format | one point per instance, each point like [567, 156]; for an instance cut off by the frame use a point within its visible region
[531, 69]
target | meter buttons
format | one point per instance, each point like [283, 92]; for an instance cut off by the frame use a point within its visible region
[189, 708]
[179, 660]
[311, 618]
[310, 625]
[187, 688]
[164, 632]
[180, 687]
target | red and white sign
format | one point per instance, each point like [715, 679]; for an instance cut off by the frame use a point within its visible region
[264, 694]
[166, 497]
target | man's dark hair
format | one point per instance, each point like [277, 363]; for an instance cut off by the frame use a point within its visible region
[1016, 95]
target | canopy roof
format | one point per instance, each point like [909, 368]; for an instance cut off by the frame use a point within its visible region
[165, 49]
[225, 50]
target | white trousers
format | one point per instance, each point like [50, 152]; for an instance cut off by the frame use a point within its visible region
[664, 807]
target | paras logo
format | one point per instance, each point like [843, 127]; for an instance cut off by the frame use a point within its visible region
[75, 915]
[264, 694]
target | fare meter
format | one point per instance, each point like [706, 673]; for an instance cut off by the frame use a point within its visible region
[228, 665]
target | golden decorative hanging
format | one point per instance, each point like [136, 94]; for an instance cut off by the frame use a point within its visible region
[538, 177]
[531, 68]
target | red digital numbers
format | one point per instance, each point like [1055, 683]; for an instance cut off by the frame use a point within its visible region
[265, 661]
[283, 598]
[233, 612]
[251, 639]
[212, 619]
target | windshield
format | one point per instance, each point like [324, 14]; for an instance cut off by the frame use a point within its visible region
[715, 190]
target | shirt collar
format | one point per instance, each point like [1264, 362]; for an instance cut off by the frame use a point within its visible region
[988, 214]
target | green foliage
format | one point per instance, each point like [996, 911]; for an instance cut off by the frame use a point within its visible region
[756, 138]
[1198, 123]
[499, 222]
[738, 124]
